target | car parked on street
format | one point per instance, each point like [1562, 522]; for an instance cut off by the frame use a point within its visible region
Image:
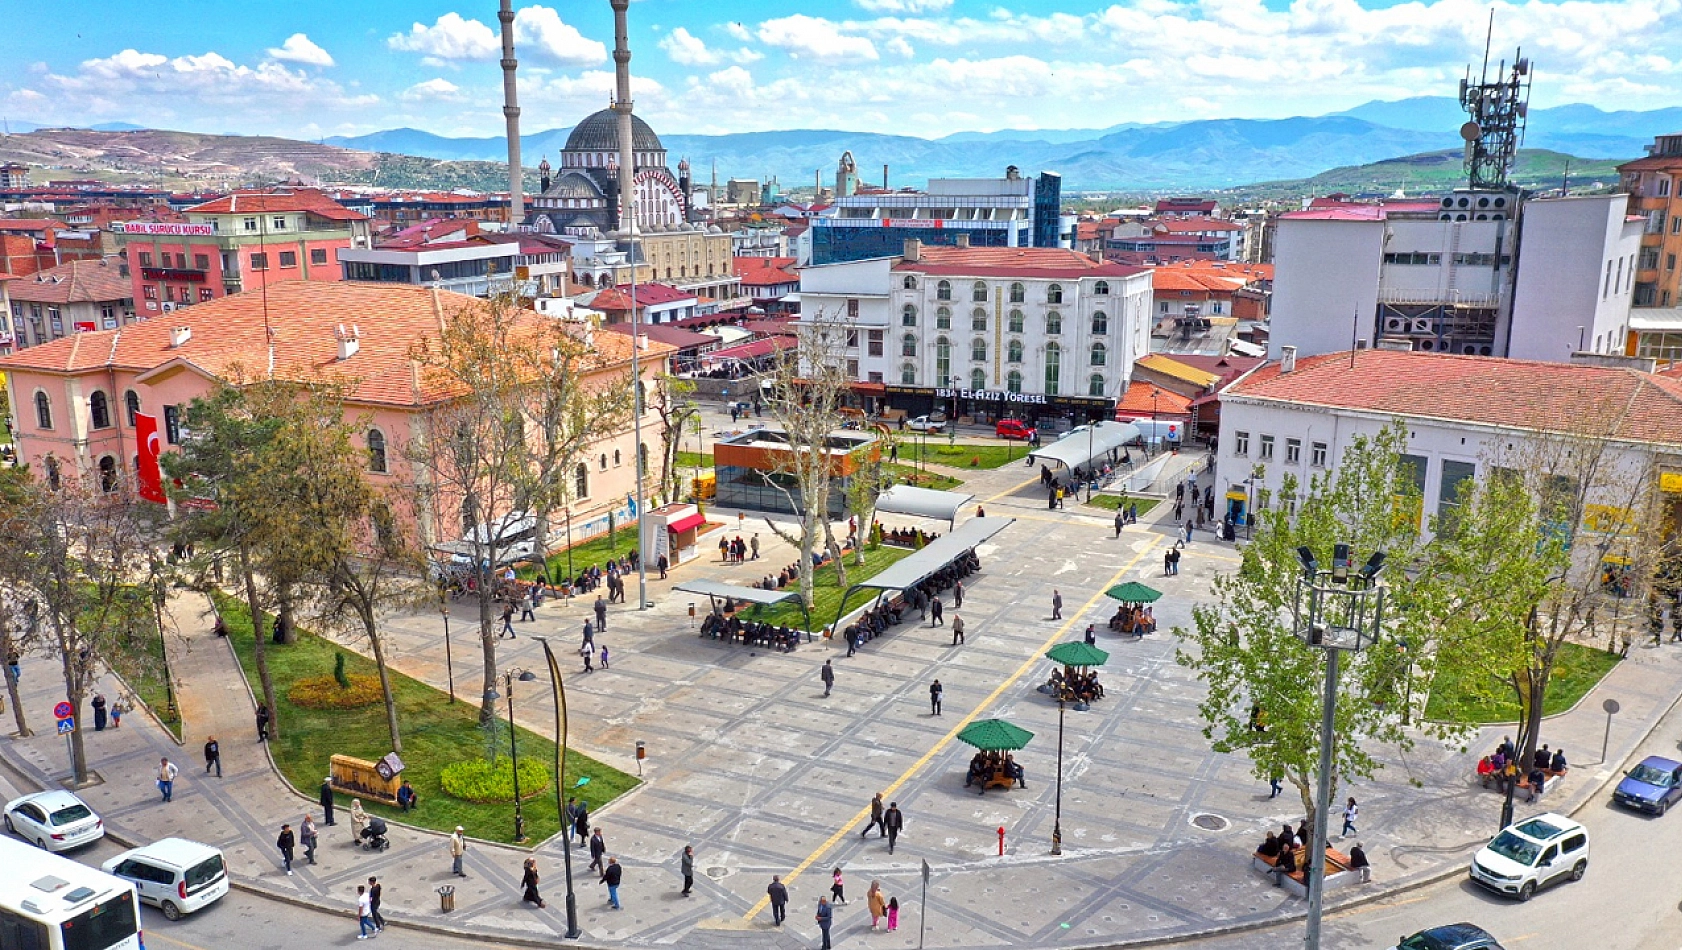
[927, 424]
[1531, 854]
[1653, 786]
[53, 820]
[1462, 936]
[175, 875]
[1014, 429]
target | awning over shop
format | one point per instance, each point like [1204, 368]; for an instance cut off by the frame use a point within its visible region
[923, 502]
[684, 524]
[751, 350]
[1080, 446]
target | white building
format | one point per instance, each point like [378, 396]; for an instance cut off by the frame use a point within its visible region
[466, 267]
[853, 297]
[1473, 273]
[1299, 415]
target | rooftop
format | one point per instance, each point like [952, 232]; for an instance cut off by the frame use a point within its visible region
[763, 271]
[1041, 262]
[258, 202]
[75, 282]
[1172, 366]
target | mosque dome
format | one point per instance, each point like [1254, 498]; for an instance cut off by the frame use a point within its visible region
[600, 133]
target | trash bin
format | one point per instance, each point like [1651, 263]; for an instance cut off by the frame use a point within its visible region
[446, 899]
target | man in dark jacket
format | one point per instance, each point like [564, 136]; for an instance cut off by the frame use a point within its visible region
[688, 866]
[876, 811]
[894, 822]
[826, 916]
[778, 892]
[598, 850]
[611, 876]
[327, 800]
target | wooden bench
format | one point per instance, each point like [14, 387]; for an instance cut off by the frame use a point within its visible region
[1338, 871]
[997, 778]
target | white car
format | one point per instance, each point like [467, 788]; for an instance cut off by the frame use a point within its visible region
[1529, 855]
[54, 820]
[175, 875]
[926, 424]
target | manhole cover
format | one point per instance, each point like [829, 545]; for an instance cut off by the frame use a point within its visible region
[717, 872]
[1210, 822]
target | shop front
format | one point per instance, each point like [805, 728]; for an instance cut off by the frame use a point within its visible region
[987, 406]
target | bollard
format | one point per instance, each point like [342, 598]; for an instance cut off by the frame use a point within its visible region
[446, 899]
[1001, 842]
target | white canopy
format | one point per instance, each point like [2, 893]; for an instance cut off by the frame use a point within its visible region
[923, 502]
[1085, 443]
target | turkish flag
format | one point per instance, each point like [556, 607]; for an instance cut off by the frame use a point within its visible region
[150, 475]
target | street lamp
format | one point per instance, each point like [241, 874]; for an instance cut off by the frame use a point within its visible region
[449, 662]
[1091, 426]
[508, 677]
[1057, 819]
[1336, 611]
[1154, 394]
[558, 689]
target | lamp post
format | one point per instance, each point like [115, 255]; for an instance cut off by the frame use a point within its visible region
[558, 689]
[1249, 506]
[1155, 393]
[449, 662]
[1336, 611]
[1091, 426]
[508, 677]
[1057, 819]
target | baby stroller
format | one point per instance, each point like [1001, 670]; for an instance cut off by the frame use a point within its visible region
[373, 836]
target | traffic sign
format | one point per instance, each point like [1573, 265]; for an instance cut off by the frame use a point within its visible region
[66, 726]
[63, 711]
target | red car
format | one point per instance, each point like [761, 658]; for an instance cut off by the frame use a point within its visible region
[1014, 429]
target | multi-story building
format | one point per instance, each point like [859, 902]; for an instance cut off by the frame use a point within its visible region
[1471, 273]
[465, 267]
[767, 280]
[13, 175]
[989, 212]
[402, 209]
[1179, 238]
[239, 242]
[1654, 185]
[73, 297]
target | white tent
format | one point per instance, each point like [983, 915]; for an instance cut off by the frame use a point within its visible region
[1085, 443]
[923, 502]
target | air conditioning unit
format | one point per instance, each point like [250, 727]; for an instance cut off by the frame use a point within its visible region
[1395, 324]
[1421, 325]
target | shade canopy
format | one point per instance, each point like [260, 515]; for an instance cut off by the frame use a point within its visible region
[752, 595]
[911, 570]
[1134, 592]
[923, 502]
[995, 735]
[1077, 653]
[1080, 446]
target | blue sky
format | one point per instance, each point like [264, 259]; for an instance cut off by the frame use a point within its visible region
[310, 68]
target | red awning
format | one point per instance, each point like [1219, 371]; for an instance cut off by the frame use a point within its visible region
[684, 524]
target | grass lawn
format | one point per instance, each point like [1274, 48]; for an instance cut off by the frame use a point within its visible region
[904, 474]
[594, 552]
[826, 597]
[1576, 671]
[692, 460]
[1113, 502]
[937, 452]
[435, 733]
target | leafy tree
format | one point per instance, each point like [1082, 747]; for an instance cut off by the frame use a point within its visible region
[676, 407]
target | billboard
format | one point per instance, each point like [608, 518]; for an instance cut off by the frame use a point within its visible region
[171, 229]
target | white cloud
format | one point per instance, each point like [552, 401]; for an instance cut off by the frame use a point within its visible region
[687, 49]
[450, 38]
[299, 49]
[539, 32]
[738, 31]
[899, 46]
[904, 6]
[432, 90]
[814, 38]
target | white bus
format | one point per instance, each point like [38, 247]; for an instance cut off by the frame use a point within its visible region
[53, 903]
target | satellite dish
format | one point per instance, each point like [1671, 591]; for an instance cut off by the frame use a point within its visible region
[1471, 131]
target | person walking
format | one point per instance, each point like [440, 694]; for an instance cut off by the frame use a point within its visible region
[827, 674]
[589, 660]
[893, 914]
[957, 629]
[753, 544]
[778, 892]
[364, 916]
[308, 838]
[1120, 521]
[1351, 811]
[826, 916]
[1275, 786]
[1188, 532]
[1091, 634]
[936, 613]
[528, 883]
[876, 810]
[878, 906]
[118, 707]
[601, 614]
[327, 801]
[212, 757]
[894, 822]
[687, 865]
[374, 904]
[285, 843]
[598, 852]
[957, 595]
[358, 821]
[934, 698]
[526, 608]
[1057, 605]
[611, 876]
[837, 888]
[166, 778]
[604, 656]
[262, 723]
[98, 712]
[458, 851]
[507, 622]
[581, 823]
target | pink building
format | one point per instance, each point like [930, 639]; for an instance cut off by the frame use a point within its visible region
[77, 398]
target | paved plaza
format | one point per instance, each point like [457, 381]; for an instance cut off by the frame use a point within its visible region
[762, 775]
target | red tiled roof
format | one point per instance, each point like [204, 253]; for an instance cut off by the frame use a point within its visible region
[1652, 163]
[673, 336]
[756, 348]
[1227, 367]
[764, 271]
[32, 224]
[651, 295]
[75, 282]
[303, 199]
[1341, 212]
[1480, 390]
[1031, 262]
[1136, 402]
[1197, 224]
[1174, 279]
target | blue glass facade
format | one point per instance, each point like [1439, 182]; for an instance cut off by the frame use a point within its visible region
[833, 245]
[1048, 205]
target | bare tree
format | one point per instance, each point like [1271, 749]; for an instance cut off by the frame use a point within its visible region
[673, 402]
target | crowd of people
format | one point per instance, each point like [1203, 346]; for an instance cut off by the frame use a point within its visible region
[984, 765]
[924, 597]
[729, 626]
[1505, 767]
[1136, 619]
[904, 537]
[1073, 685]
[1287, 849]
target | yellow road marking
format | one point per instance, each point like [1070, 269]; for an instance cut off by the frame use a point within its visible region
[154, 935]
[905, 776]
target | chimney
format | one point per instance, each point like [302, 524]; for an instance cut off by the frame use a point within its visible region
[913, 250]
[1097, 255]
[961, 239]
[178, 336]
[1287, 359]
[349, 340]
[884, 176]
[642, 342]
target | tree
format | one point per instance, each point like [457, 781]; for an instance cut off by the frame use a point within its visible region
[673, 403]
[19, 611]
[1244, 651]
[870, 480]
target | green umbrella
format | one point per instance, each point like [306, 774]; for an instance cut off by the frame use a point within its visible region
[1134, 592]
[995, 735]
[1077, 653]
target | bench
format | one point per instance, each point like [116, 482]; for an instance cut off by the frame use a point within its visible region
[997, 778]
[1338, 872]
[1493, 780]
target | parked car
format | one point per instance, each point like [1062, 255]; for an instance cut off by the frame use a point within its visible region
[1652, 786]
[53, 820]
[1529, 855]
[927, 424]
[1014, 429]
[1450, 937]
[175, 875]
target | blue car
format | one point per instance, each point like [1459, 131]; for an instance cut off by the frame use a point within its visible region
[1653, 786]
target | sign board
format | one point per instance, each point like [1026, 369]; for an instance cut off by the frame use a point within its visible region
[63, 711]
[1670, 482]
[66, 726]
[988, 395]
[173, 229]
[389, 767]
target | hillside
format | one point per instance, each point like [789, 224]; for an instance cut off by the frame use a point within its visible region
[1437, 171]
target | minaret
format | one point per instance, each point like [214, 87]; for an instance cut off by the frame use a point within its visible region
[628, 227]
[511, 111]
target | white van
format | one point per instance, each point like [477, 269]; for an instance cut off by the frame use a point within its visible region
[1529, 855]
[175, 875]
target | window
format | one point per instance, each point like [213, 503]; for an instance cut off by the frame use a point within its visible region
[1098, 354]
[1016, 321]
[99, 410]
[259, 262]
[978, 320]
[206, 294]
[1670, 262]
[1054, 293]
[1454, 476]
[201, 261]
[318, 255]
[1293, 451]
[942, 362]
[978, 350]
[172, 425]
[852, 339]
[250, 224]
[642, 459]
[978, 379]
[876, 339]
[145, 258]
[1018, 293]
[1664, 187]
[131, 406]
[978, 292]
[1101, 288]
[1095, 384]
[1013, 352]
[909, 282]
[1053, 323]
[908, 316]
[1241, 443]
[376, 451]
[615, 458]
[1053, 367]
[581, 481]
[908, 345]
[852, 369]
[43, 411]
[943, 290]
[852, 308]
[602, 462]
[1317, 454]
[1100, 323]
[908, 375]
[107, 474]
[289, 258]
[278, 222]
[180, 261]
[1265, 453]
[1408, 258]
[1013, 382]
[943, 318]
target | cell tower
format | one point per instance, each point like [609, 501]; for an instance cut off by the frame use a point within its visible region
[1497, 108]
